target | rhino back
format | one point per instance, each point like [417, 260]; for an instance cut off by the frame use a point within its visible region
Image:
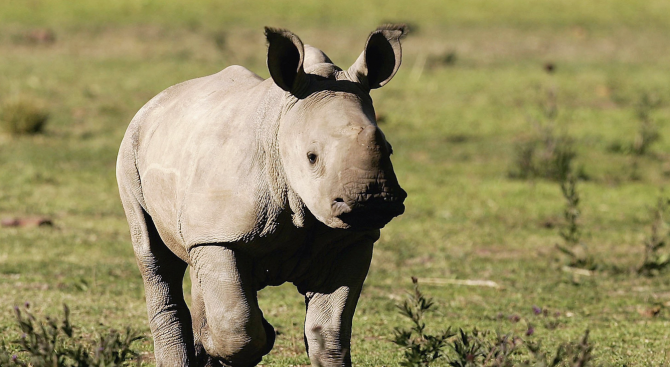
[200, 161]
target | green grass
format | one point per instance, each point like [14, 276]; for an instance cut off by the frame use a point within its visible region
[454, 129]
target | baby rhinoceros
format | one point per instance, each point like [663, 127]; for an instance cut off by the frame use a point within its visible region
[254, 182]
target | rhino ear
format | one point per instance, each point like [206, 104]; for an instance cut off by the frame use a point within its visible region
[286, 55]
[381, 58]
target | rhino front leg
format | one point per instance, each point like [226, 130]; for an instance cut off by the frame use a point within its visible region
[331, 306]
[229, 327]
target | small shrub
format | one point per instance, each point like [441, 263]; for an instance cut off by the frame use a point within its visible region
[52, 343]
[479, 348]
[525, 165]
[570, 231]
[545, 155]
[648, 131]
[648, 134]
[22, 116]
[573, 354]
[420, 348]
[468, 349]
[654, 261]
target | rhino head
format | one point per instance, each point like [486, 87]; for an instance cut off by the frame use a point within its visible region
[335, 157]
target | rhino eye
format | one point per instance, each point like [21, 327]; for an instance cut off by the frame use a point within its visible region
[311, 157]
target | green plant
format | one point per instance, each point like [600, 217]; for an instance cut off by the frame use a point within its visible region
[570, 231]
[480, 348]
[545, 155]
[22, 116]
[654, 261]
[573, 354]
[420, 348]
[469, 349]
[648, 132]
[52, 343]
[477, 349]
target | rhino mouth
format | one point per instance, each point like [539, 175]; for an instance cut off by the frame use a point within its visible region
[373, 214]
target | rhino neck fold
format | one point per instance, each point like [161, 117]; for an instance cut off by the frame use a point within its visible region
[269, 118]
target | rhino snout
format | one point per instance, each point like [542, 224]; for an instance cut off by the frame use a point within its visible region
[367, 210]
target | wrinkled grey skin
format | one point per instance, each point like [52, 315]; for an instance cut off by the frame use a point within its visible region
[255, 182]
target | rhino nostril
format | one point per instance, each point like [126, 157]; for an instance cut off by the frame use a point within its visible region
[339, 207]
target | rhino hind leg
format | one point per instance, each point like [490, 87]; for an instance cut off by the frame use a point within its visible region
[162, 273]
[199, 321]
[331, 306]
[228, 326]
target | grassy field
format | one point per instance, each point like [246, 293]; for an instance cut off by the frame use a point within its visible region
[473, 89]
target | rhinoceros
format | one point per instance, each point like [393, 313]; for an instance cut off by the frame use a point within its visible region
[254, 183]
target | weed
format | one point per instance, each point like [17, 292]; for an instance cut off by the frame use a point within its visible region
[647, 135]
[550, 104]
[574, 354]
[634, 174]
[648, 130]
[501, 350]
[469, 349]
[653, 261]
[553, 322]
[22, 116]
[570, 232]
[546, 155]
[51, 343]
[476, 349]
[420, 348]
[479, 348]
[525, 166]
